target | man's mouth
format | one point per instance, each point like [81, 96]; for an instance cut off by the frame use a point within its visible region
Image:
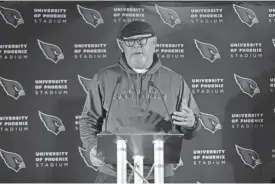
[136, 53]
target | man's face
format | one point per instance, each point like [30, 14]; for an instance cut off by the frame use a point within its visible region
[139, 50]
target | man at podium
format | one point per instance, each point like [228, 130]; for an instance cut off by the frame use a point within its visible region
[136, 95]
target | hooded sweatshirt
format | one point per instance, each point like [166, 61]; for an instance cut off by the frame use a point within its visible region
[131, 102]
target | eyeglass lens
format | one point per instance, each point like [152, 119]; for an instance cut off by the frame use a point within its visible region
[140, 41]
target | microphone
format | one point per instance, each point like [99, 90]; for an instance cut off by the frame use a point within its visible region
[150, 83]
[119, 79]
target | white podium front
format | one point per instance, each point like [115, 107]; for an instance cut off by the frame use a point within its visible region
[137, 150]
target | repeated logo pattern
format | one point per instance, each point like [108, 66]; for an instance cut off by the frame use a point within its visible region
[94, 17]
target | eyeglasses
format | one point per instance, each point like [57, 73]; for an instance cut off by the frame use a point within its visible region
[141, 41]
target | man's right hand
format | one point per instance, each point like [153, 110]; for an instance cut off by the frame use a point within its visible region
[94, 159]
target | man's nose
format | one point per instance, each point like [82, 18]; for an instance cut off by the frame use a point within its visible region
[136, 44]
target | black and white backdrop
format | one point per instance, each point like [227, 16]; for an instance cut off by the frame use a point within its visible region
[49, 52]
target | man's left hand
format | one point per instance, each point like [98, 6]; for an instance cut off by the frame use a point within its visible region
[185, 117]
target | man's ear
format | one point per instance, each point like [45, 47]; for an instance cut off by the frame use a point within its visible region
[155, 40]
[120, 44]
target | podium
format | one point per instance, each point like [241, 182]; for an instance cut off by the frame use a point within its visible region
[138, 149]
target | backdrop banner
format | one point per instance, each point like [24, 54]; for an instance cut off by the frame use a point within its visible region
[50, 51]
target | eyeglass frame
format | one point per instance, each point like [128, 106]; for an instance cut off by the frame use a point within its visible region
[138, 40]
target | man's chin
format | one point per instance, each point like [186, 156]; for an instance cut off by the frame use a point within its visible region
[139, 65]
[139, 68]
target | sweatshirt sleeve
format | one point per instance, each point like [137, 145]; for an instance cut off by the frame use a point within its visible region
[185, 94]
[92, 115]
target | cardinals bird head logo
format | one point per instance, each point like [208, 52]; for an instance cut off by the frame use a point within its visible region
[51, 51]
[85, 83]
[246, 15]
[86, 157]
[90, 16]
[168, 16]
[248, 156]
[12, 160]
[248, 86]
[208, 51]
[11, 16]
[210, 122]
[12, 88]
[53, 124]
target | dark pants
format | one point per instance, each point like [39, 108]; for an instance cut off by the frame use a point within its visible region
[105, 178]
